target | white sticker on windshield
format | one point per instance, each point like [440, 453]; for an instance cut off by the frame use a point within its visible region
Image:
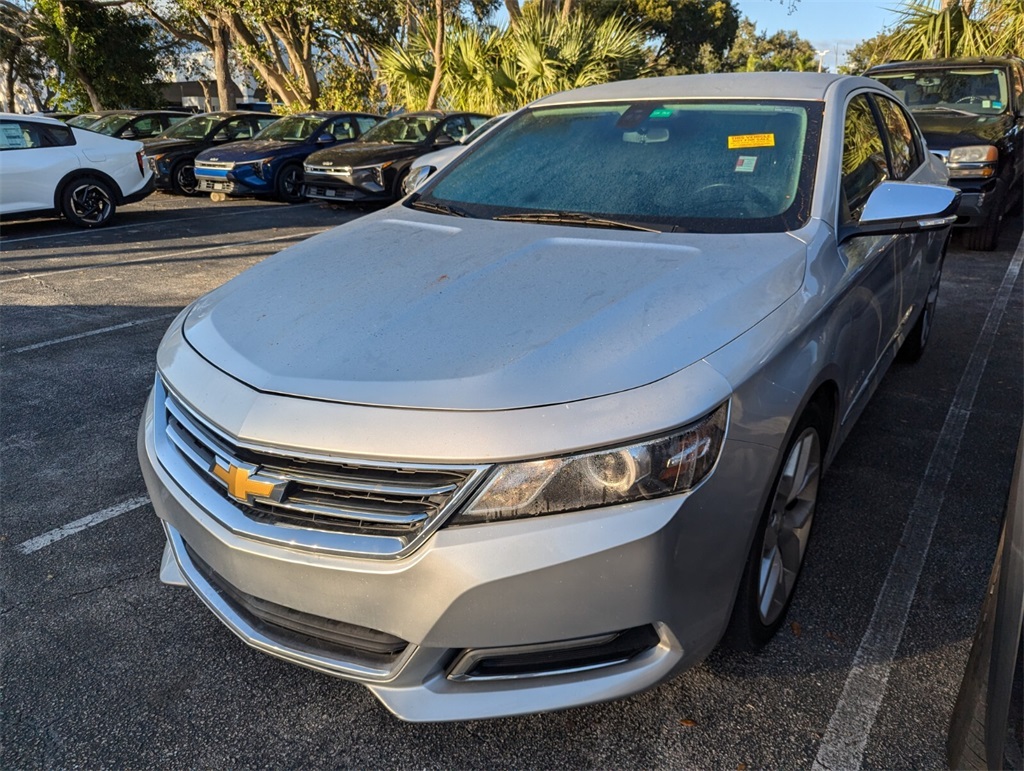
[746, 163]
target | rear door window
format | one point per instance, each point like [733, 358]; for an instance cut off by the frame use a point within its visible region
[905, 155]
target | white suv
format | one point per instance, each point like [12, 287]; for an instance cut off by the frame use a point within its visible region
[46, 166]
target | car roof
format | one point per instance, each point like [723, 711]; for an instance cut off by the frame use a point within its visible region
[733, 85]
[332, 114]
[39, 118]
[967, 61]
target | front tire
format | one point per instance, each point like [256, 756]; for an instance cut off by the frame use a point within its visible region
[288, 183]
[985, 237]
[88, 202]
[183, 178]
[913, 347]
[780, 543]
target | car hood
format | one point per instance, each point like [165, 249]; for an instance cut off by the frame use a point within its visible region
[253, 150]
[157, 145]
[365, 153]
[944, 131]
[408, 309]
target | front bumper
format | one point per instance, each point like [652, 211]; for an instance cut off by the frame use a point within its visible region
[343, 188]
[671, 565]
[237, 182]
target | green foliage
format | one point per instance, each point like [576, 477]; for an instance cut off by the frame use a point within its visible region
[102, 53]
[754, 51]
[927, 31]
[685, 35]
[350, 88]
[493, 70]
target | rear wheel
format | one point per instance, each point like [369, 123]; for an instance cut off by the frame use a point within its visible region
[88, 202]
[780, 543]
[288, 183]
[183, 178]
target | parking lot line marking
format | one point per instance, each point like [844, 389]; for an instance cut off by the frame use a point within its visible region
[96, 231]
[44, 540]
[80, 335]
[155, 257]
[843, 744]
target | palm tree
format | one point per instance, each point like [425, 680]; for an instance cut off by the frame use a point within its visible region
[949, 28]
[492, 70]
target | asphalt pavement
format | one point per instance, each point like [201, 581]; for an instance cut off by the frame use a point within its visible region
[103, 666]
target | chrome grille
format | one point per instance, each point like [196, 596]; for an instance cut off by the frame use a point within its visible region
[338, 171]
[394, 505]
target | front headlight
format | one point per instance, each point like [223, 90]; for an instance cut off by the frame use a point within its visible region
[973, 161]
[416, 178]
[652, 468]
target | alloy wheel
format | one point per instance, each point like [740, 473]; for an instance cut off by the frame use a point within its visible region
[91, 203]
[789, 525]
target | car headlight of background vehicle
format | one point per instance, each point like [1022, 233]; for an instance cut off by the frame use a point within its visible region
[973, 161]
[416, 178]
[651, 468]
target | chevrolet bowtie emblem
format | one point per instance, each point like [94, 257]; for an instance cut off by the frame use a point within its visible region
[245, 484]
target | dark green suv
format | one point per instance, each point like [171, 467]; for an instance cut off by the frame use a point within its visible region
[971, 111]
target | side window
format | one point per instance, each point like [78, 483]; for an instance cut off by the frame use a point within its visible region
[476, 121]
[1018, 85]
[902, 143]
[236, 128]
[57, 136]
[262, 123]
[18, 136]
[864, 164]
[365, 124]
[25, 135]
[343, 128]
[174, 119]
[455, 128]
[147, 127]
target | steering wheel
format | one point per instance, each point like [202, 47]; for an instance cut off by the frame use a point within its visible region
[747, 201]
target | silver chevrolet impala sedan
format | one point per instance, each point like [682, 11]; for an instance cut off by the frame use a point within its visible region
[548, 430]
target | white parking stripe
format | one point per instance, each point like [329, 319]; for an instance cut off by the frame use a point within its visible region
[164, 255]
[842, 746]
[139, 225]
[41, 541]
[80, 335]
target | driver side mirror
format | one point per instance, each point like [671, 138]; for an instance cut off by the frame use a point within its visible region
[129, 134]
[220, 136]
[324, 139]
[904, 207]
[443, 140]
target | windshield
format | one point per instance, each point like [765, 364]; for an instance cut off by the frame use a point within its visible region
[110, 124]
[81, 121]
[402, 129]
[970, 90]
[484, 128]
[714, 166]
[294, 128]
[196, 127]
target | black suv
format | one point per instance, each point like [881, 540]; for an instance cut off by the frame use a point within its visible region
[374, 167]
[972, 114]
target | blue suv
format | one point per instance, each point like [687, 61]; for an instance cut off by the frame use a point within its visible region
[271, 162]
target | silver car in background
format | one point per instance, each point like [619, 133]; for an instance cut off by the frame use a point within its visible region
[545, 432]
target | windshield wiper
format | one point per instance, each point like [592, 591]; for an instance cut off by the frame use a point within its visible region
[440, 208]
[573, 218]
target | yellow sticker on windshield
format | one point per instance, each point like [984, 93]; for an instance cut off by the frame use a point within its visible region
[743, 141]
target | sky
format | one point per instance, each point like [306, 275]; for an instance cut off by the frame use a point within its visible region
[827, 24]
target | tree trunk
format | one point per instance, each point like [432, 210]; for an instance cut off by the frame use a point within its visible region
[221, 39]
[515, 13]
[207, 107]
[435, 84]
[566, 10]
